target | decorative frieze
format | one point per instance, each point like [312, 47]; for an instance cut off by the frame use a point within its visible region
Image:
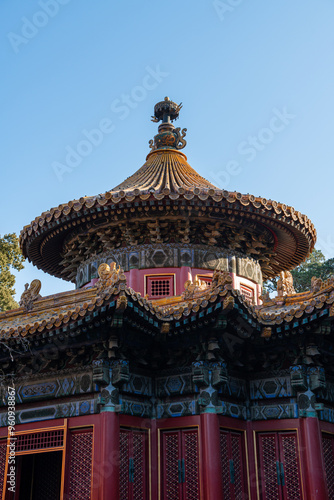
[150, 256]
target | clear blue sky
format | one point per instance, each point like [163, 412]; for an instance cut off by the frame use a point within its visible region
[256, 79]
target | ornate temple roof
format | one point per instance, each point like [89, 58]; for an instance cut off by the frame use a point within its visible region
[164, 172]
[111, 301]
[165, 190]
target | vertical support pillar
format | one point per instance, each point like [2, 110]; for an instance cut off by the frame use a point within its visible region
[252, 472]
[211, 460]
[109, 467]
[315, 467]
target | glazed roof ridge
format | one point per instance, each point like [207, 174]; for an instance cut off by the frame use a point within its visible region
[165, 171]
[56, 311]
[212, 192]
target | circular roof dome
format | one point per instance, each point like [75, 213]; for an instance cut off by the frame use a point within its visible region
[184, 208]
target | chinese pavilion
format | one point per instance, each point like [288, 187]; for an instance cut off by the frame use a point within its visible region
[167, 374]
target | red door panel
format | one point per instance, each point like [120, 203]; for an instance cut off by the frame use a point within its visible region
[191, 465]
[233, 465]
[290, 470]
[269, 473]
[81, 456]
[139, 486]
[279, 468]
[225, 462]
[124, 454]
[133, 464]
[171, 472]
[239, 484]
[180, 465]
[328, 447]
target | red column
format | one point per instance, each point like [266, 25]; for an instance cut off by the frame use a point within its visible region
[211, 460]
[252, 476]
[315, 467]
[109, 464]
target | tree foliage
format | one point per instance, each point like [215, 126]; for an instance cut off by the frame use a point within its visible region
[10, 258]
[315, 265]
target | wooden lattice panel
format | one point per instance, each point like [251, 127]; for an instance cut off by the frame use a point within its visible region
[3, 450]
[160, 286]
[133, 467]
[39, 440]
[232, 464]
[268, 458]
[81, 450]
[225, 462]
[236, 453]
[171, 455]
[289, 459]
[124, 465]
[328, 449]
[191, 465]
[139, 465]
[279, 469]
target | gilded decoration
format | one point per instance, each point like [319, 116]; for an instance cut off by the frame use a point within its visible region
[30, 294]
[171, 255]
[285, 284]
[111, 281]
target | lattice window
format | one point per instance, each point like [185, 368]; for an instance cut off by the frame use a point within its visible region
[81, 451]
[138, 465]
[236, 453]
[171, 457]
[180, 465]
[328, 447]
[3, 450]
[191, 465]
[225, 463]
[268, 460]
[248, 293]
[279, 466]
[160, 286]
[133, 468]
[124, 465]
[232, 461]
[290, 463]
[39, 440]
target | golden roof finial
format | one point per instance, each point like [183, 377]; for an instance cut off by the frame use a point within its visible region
[168, 137]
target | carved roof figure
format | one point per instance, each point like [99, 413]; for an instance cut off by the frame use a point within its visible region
[30, 294]
[316, 284]
[285, 284]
